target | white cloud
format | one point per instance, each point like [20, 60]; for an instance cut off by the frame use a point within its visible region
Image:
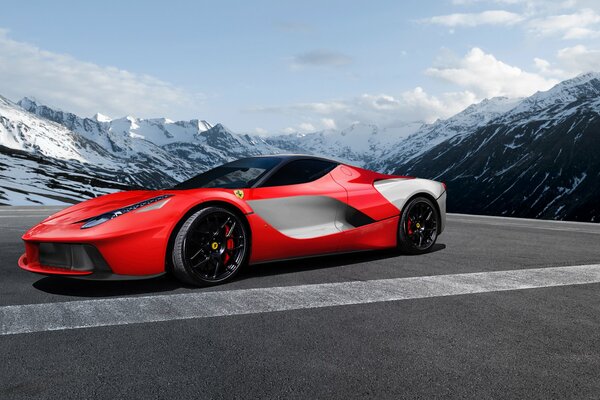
[469, 2]
[261, 131]
[475, 76]
[83, 87]
[544, 18]
[579, 25]
[487, 76]
[321, 58]
[306, 127]
[413, 105]
[490, 17]
[320, 108]
[528, 5]
[578, 59]
[381, 109]
[328, 123]
[546, 69]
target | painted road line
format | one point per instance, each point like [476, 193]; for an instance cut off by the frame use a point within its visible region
[522, 220]
[564, 228]
[123, 311]
[25, 216]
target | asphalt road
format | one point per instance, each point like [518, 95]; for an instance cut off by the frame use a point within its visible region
[463, 330]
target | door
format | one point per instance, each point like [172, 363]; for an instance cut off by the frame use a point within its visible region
[302, 203]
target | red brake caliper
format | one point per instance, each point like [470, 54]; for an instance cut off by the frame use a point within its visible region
[409, 228]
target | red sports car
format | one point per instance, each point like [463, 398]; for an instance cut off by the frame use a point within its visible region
[249, 211]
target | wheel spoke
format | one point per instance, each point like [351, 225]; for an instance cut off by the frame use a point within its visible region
[429, 215]
[225, 223]
[217, 262]
[201, 262]
[231, 228]
[201, 251]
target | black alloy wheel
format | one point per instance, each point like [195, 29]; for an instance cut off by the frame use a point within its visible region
[419, 225]
[210, 247]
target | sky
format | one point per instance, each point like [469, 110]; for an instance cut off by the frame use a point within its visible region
[271, 67]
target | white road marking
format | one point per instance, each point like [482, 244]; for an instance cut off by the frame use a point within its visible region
[24, 216]
[516, 219]
[21, 210]
[545, 228]
[564, 226]
[131, 310]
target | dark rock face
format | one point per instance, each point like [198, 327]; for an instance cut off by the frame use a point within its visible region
[539, 160]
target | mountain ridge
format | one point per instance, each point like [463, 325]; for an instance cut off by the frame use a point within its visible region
[530, 157]
[538, 160]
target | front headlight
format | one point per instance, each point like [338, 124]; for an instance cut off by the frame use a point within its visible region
[158, 201]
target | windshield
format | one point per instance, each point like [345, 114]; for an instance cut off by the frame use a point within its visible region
[242, 173]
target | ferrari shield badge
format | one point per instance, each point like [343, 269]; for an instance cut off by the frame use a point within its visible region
[239, 193]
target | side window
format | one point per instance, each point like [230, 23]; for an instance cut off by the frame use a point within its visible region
[300, 171]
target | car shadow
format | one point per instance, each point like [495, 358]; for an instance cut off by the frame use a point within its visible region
[83, 288]
[323, 262]
[167, 283]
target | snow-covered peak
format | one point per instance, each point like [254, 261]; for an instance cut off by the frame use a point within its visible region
[475, 115]
[582, 87]
[359, 143]
[23, 130]
[490, 108]
[4, 101]
[580, 79]
[27, 103]
[201, 124]
[458, 127]
[122, 134]
[101, 118]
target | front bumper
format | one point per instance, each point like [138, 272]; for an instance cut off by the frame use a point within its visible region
[57, 258]
[75, 260]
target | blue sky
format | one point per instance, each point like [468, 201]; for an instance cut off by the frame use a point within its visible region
[282, 66]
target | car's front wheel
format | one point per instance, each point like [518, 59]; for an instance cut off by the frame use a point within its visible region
[418, 228]
[210, 247]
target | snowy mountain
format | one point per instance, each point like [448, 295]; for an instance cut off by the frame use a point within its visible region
[196, 143]
[66, 150]
[458, 127]
[360, 144]
[121, 135]
[30, 178]
[533, 157]
[539, 159]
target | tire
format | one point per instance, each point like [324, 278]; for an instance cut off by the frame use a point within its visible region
[418, 227]
[210, 247]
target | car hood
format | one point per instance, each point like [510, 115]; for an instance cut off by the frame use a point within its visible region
[100, 205]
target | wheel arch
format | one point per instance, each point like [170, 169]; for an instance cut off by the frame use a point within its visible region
[429, 197]
[211, 203]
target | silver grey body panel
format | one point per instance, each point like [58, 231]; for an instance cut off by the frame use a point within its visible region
[301, 217]
[442, 205]
[312, 216]
[304, 217]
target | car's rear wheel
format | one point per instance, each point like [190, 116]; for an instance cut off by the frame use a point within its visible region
[418, 228]
[210, 247]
